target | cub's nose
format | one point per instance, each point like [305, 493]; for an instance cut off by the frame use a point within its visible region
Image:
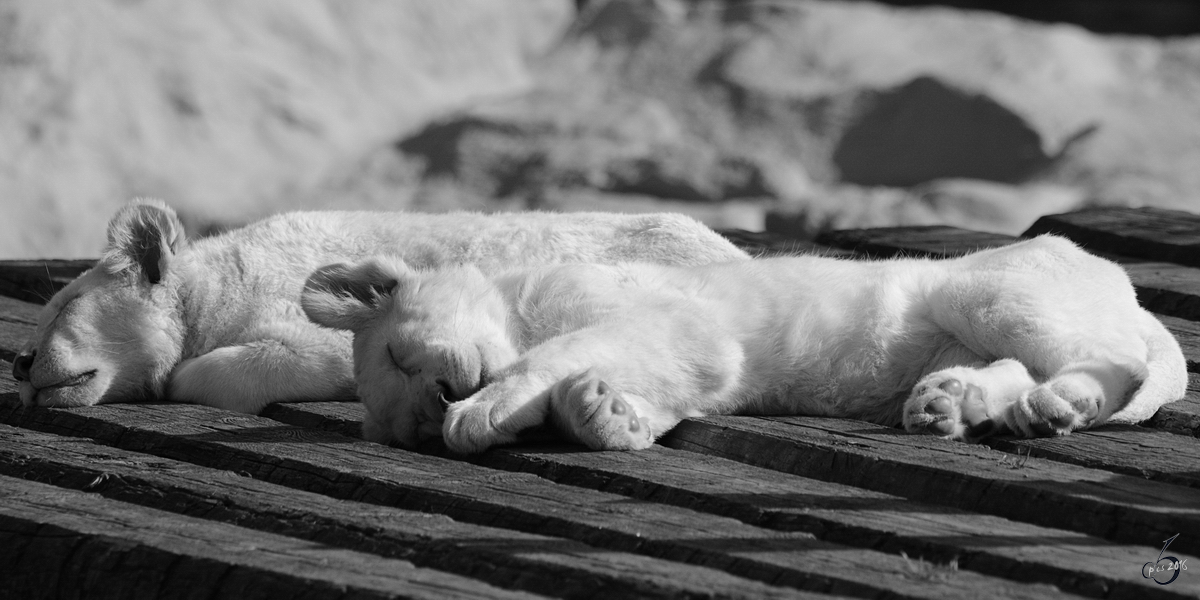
[21, 366]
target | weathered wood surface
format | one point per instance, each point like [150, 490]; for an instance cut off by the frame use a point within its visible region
[339, 466]
[17, 320]
[161, 499]
[777, 499]
[1149, 233]
[116, 550]
[499, 556]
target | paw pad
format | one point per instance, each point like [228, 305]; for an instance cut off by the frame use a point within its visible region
[601, 416]
[939, 406]
[953, 404]
[951, 386]
[618, 407]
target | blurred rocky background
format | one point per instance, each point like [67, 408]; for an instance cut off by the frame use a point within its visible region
[793, 115]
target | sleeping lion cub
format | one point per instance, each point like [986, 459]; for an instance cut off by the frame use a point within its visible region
[217, 321]
[1036, 338]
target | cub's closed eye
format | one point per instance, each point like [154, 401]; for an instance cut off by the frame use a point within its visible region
[396, 363]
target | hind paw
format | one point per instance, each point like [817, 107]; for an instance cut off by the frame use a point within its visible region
[948, 405]
[967, 403]
[1055, 408]
[600, 416]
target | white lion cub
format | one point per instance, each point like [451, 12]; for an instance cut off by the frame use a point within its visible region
[1036, 338]
[217, 321]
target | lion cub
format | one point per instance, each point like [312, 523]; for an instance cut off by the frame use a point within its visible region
[217, 321]
[1036, 338]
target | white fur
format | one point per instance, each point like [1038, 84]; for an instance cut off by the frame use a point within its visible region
[218, 320]
[1036, 338]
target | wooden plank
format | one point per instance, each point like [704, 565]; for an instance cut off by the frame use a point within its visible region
[18, 320]
[37, 280]
[1187, 333]
[341, 467]
[1149, 233]
[1184, 415]
[833, 512]
[1166, 288]
[63, 543]
[1128, 449]
[509, 559]
[935, 241]
[1121, 508]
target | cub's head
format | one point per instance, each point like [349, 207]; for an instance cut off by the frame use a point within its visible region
[112, 334]
[422, 339]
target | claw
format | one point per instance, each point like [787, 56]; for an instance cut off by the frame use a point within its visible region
[940, 427]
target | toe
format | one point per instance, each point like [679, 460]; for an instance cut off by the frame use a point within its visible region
[618, 406]
[952, 387]
[939, 406]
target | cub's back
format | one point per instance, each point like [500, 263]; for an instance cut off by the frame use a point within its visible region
[488, 240]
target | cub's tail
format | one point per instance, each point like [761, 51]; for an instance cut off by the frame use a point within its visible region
[1166, 374]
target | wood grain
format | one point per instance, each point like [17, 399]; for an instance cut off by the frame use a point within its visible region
[66, 543]
[1117, 507]
[1129, 449]
[504, 558]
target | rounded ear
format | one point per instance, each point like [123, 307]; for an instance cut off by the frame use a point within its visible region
[345, 296]
[143, 237]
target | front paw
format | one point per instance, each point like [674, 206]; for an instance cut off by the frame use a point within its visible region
[600, 416]
[949, 404]
[1054, 408]
[469, 428]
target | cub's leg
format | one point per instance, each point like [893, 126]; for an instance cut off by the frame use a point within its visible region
[287, 362]
[967, 403]
[610, 386]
